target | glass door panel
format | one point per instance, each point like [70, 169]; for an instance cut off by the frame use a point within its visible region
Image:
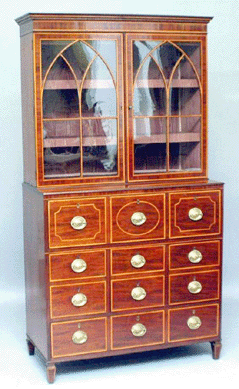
[149, 109]
[79, 108]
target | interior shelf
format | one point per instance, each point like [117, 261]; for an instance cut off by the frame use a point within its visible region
[75, 141]
[71, 84]
[174, 138]
[157, 83]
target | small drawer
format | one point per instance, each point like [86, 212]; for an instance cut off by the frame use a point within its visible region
[78, 337]
[138, 330]
[194, 213]
[77, 264]
[78, 299]
[137, 293]
[137, 217]
[148, 258]
[76, 222]
[194, 323]
[196, 254]
[199, 286]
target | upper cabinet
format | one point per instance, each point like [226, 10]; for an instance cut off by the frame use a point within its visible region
[125, 102]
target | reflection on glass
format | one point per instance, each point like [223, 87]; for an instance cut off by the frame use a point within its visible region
[50, 49]
[100, 146]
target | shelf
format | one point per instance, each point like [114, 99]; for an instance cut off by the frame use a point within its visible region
[71, 84]
[157, 83]
[75, 142]
[174, 138]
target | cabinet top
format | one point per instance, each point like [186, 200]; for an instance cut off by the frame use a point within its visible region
[37, 22]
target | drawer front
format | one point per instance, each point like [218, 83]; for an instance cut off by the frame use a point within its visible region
[130, 260]
[138, 330]
[78, 337]
[194, 323]
[137, 217]
[194, 254]
[199, 286]
[194, 213]
[137, 293]
[77, 265]
[78, 299]
[76, 222]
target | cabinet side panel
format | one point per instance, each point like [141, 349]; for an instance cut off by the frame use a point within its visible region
[28, 117]
[35, 269]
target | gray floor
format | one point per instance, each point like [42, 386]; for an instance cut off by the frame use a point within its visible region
[181, 367]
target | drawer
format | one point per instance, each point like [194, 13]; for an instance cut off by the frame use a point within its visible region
[194, 323]
[199, 286]
[78, 337]
[194, 254]
[77, 264]
[138, 330]
[130, 260]
[78, 299]
[137, 217]
[194, 213]
[137, 293]
[74, 222]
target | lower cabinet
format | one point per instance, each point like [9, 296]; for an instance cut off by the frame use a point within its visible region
[123, 273]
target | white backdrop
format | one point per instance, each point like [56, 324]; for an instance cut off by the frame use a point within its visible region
[223, 61]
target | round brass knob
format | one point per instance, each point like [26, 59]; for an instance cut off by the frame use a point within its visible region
[138, 329]
[195, 256]
[78, 223]
[138, 218]
[78, 265]
[138, 293]
[195, 214]
[138, 261]
[194, 287]
[79, 337]
[194, 322]
[79, 299]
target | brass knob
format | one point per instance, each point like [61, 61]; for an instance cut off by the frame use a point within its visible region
[194, 322]
[138, 293]
[138, 218]
[194, 287]
[195, 256]
[138, 261]
[78, 265]
[138, 329]
[79, 299]
[78, 223]
[195, 214]
[79, 337]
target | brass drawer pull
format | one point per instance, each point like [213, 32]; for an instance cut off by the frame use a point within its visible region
[138, 218]
[79, 337]
[79, 265]
[79, 300]
[138, 330]
[138, 293]
[138, 261]
[78, 223]
[194, 322]
[195, 287]
[195, 214]
[195, 256]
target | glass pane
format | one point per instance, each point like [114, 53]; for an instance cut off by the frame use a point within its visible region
[79, 55]
[60, 76]
[193, 52]
[167, 56]
[107, 51]
[149, 93]
[100, 146]
[185, 156]
[150, 144]
[185, 96]
[61, 148]
[140, 50]
[62, 103]
[98, 94]
[50, 49]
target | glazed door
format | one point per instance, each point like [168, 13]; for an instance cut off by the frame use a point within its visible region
[166, 108]
[80, 111]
